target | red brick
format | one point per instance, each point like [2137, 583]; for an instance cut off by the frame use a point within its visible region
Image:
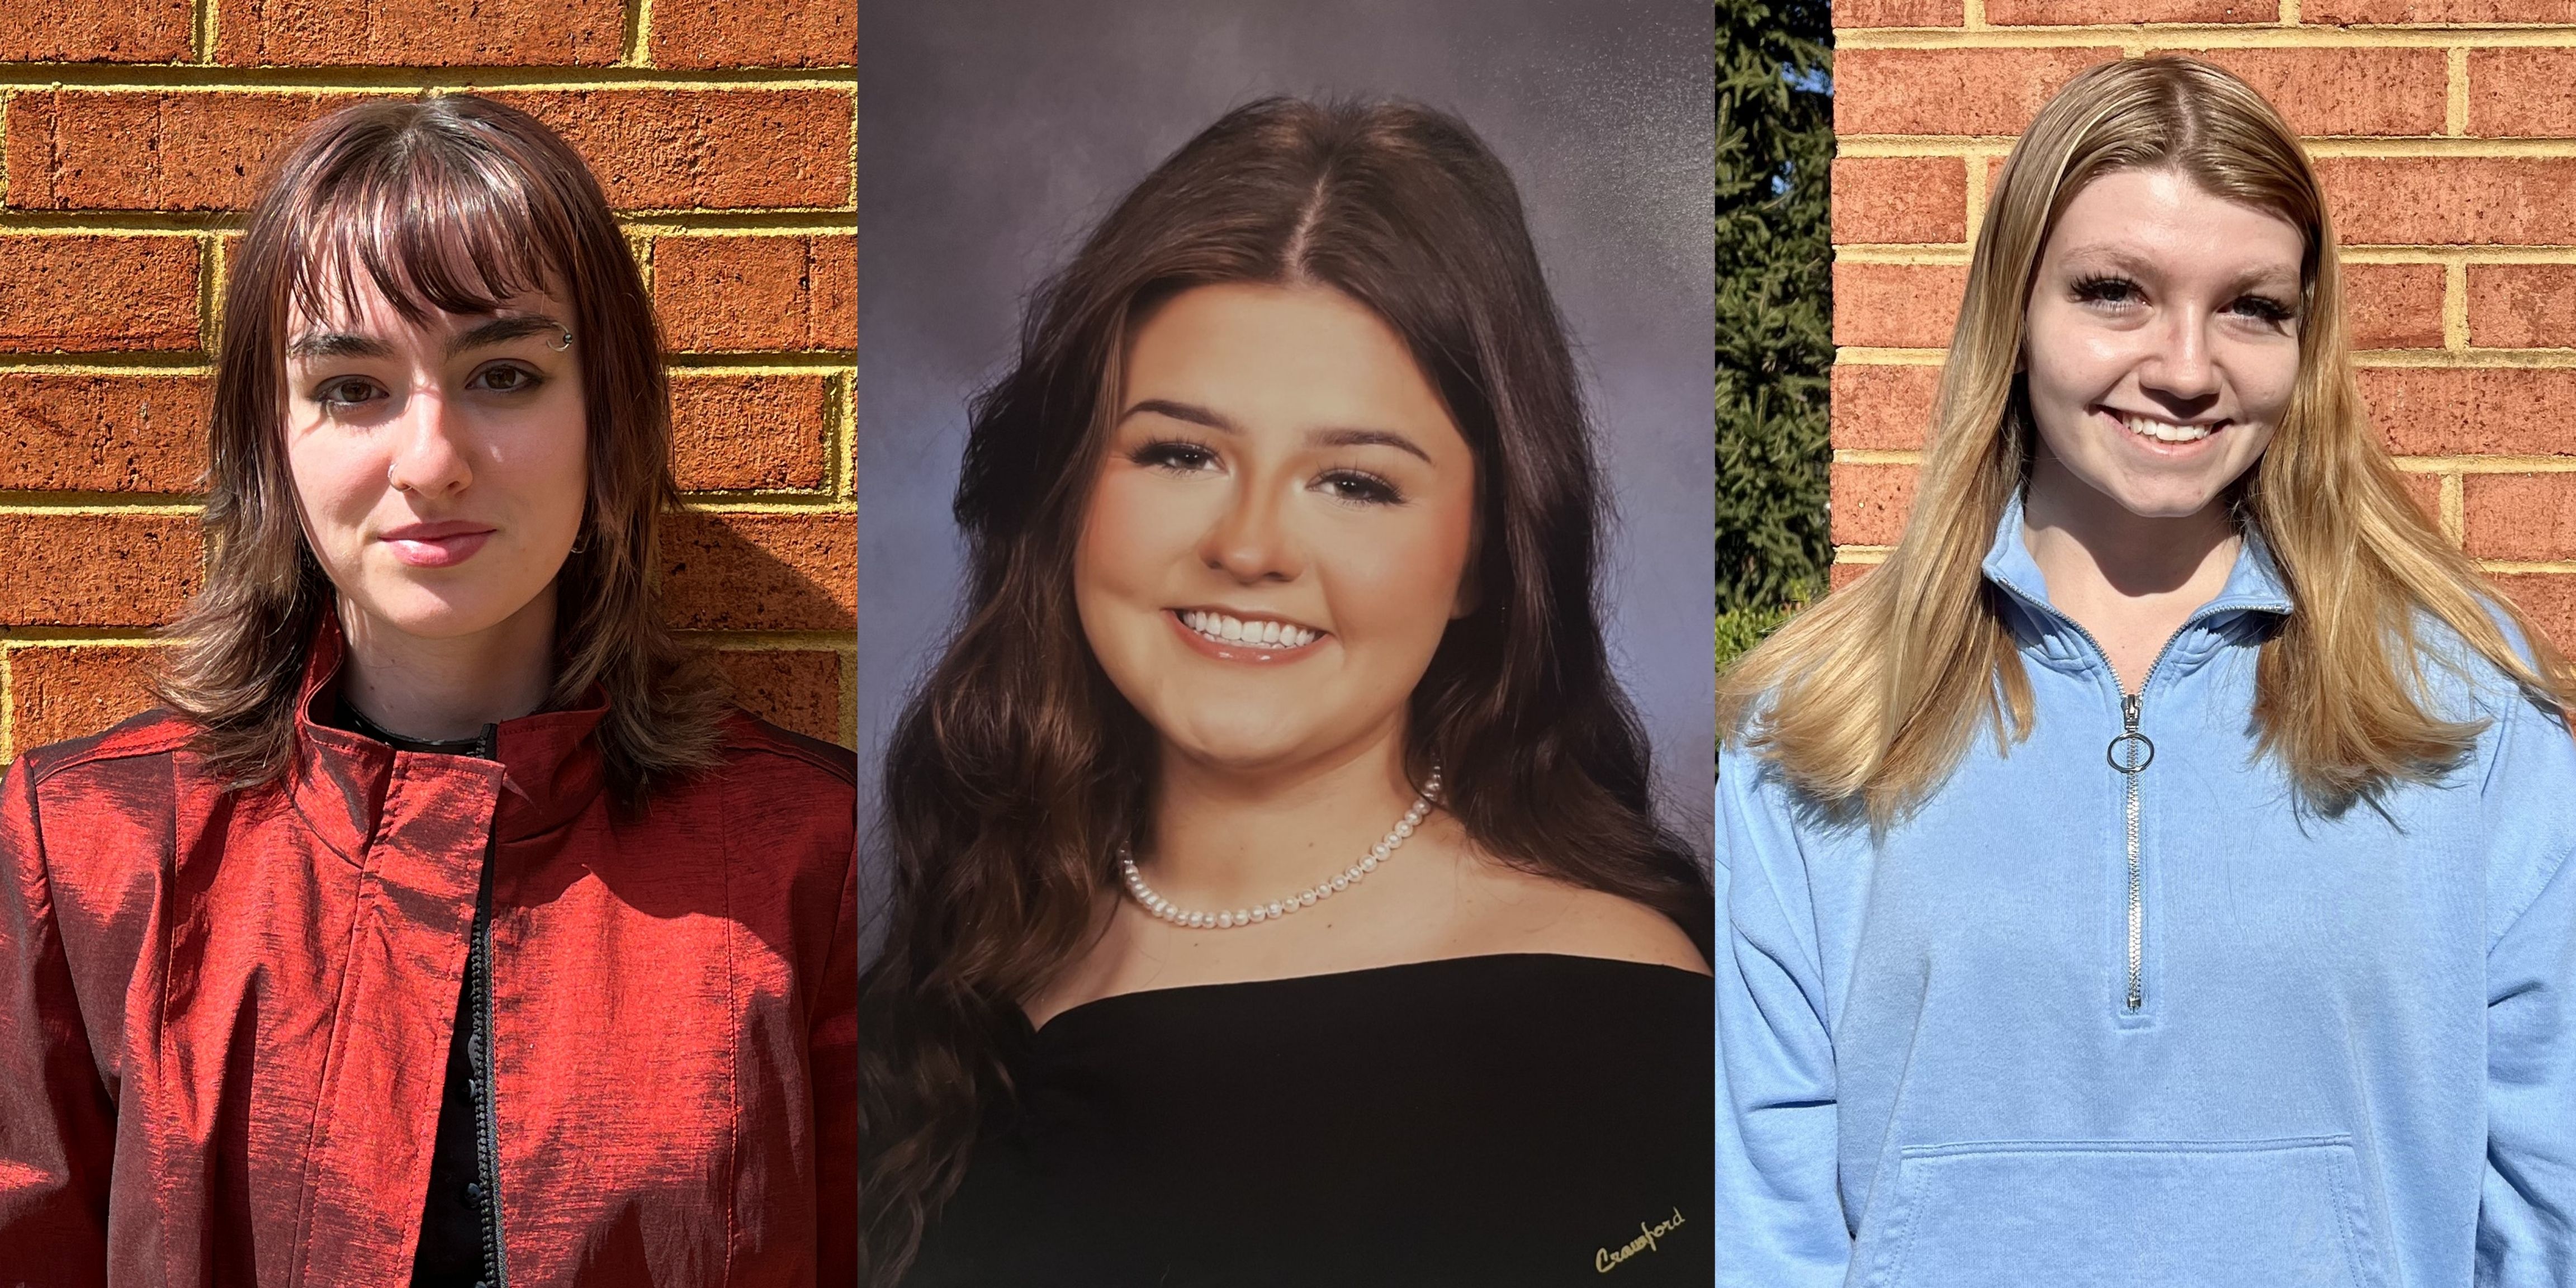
[755, 33]
[63, 692]
[2345, 13]
[2528, 517]
[1950, 91]
[421, 33]
[1840, 575]
[2451, 201]
[97, 150]
[2547, 599]
[1870, 503]
[652, 149]
[82, 294]
[2425, 490]
[1883, 408]
[1898, 306]
[2087, 13]
[2393, 306]
[2522, 306]
[1900, 199]
[75, 433]
[95, 31]
[2346, 91]
[761, 572]
[738, 294]
[728, 149]
[2522, 93]
[2471, 411]
[745, 433]
[1900, 13]
[797, 689]
[96, 569]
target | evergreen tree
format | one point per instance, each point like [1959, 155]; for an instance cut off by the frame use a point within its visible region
[1774, 346]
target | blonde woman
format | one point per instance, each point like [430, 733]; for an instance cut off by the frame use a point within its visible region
[2157, 871]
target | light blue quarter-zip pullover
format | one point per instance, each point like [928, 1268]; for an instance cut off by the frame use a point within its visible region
[1989, 1048]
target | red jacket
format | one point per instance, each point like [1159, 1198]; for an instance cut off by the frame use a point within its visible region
[224, 1016]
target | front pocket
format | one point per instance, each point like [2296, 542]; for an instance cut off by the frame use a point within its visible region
[2082, 1214]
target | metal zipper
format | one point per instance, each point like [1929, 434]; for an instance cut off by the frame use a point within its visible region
[478, 1051]
[2131, 753]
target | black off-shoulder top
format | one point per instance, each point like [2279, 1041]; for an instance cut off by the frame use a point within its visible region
[1485, 1121]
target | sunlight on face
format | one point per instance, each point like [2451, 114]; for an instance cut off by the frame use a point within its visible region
[440, 470]
[1280, 526]
[2163, 341]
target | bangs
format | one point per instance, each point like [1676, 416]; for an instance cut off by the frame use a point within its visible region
[433, 223]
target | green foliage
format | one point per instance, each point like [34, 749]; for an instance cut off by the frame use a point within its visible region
[1738, 630]
[1775, 145]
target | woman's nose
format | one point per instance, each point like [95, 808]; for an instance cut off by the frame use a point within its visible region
[1251, 541]
[429, 459]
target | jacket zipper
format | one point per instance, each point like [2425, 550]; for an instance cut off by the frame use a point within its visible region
[478, 966]
[2129, 753]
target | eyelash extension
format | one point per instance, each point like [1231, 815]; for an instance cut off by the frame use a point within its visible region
[2269, 309]
[2098, 288]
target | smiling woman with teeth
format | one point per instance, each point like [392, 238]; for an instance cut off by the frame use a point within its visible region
[1277, 780]
[2157, 870]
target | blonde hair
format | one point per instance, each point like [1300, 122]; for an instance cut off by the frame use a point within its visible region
[1869, 699]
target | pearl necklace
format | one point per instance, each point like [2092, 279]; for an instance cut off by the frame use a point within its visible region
[1306, 898]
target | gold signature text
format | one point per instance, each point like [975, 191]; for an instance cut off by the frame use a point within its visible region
[1605, 1260]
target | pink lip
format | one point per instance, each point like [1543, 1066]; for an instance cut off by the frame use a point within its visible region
[1255, 655]
[437, 545]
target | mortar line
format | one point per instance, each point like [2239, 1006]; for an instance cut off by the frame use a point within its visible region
[780, 641]
[2455, 91]
[2455, 524]
[850, 695]
[18, 637]
[8, 711]
[201, 34]
[2455, 305]
[2473, 463]
[636, 52]
[2289, 13]
[210, 267]
[1978, 195]
[2527, 567]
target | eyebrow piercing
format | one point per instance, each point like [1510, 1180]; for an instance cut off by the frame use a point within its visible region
[566, 343]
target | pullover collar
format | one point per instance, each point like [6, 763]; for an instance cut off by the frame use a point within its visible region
[2253, 598]
[545, 768]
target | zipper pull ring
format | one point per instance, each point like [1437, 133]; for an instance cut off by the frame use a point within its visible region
[2132, 751]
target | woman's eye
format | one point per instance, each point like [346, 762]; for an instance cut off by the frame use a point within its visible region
[2113, 291]
[1186, 458]
[346, 393]
[1359, 486]
[506, 378]
[2263, 308]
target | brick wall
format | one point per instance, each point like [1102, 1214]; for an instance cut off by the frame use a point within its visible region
[2445, 134]
[131, 135]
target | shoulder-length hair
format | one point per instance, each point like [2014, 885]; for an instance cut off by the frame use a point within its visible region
[450, 204]
[1017, 770]
[1871, 697]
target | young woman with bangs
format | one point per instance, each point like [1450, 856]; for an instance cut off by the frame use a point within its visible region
[2156, 871]
[447, 926]
[1278, 899]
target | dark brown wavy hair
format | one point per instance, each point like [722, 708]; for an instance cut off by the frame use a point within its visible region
[1017, 770]
[450, 204]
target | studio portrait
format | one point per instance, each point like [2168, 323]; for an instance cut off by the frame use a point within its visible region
[1288, 457]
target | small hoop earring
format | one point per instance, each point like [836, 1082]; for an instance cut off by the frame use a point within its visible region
[566, 343]
[580, 543]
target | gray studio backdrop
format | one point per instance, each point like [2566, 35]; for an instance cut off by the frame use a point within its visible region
[993, 133]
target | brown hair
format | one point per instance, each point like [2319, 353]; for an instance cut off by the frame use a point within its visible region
[1871, 697]
[1018, 770]
[453, 204]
